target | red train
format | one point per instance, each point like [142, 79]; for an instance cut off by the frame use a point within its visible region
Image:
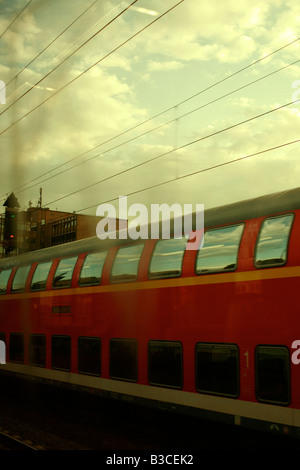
[208, 332]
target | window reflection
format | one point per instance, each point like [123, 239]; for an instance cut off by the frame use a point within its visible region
[273, 241]
[126, 264]
[19, 281]
[40, 276]
[91, 271]
[64, 272]
[167, 258]
[220, 249]
[4, 276]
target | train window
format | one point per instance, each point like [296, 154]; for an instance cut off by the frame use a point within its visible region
[19, 281]
[220, 250]
[165, 363]
[123, 359]
[64, 272]
[126, 264]
[167, 258]
[16, 347]
[37, 350]
[217, 369]
[2, 348]
[61, 352]
[89, 355]
[273, 374]
[40, 276]
[272, 242]
[4, 276]
[91, 271]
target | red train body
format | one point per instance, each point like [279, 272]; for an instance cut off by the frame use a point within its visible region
[208, 333]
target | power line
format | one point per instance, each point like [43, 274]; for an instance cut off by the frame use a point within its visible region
[153, 129]
[89, 68]
[188, 175]
[173, 150]
[19, 14]
[165, 111]
[66, 58]
[195, 173]
[52, 42]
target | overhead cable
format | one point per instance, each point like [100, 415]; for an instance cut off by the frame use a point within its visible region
[15, 19]
[161, 113]
[176, 149]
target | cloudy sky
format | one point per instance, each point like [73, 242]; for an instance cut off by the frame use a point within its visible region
[107, 98]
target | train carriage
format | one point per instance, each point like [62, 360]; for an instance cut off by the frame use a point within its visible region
[208, 331]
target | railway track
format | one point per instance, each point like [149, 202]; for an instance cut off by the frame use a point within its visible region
[13, 442]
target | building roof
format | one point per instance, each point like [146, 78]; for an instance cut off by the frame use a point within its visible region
[11, 201]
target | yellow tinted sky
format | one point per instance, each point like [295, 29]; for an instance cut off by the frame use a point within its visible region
[126, 85]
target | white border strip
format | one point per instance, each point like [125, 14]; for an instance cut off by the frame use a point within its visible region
[236, 407]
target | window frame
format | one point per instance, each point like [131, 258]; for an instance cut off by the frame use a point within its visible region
[124, 379]
[20, 335]
[222, 271]
[80, 284]
[238, 378]
[121, 278]
[35, 269]
[6, 269]
[164, 274]
[35, 364]
[287, 246]
[69, 358]
[269, 401]
[19, 291]
[71, 280]
[161, 385]
[86, 338]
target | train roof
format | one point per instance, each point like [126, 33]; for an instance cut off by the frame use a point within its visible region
[252, 208]
[231, 213]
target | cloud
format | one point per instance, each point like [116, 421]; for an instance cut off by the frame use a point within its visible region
[190, 49]
[154, 66]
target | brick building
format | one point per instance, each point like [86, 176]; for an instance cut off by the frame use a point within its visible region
[39, 227]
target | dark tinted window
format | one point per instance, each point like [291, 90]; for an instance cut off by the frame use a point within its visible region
[61, 352]
[165, 363]
[167, 258]
[4, 276]
[220, 250]
[126, 264]
[123, 359]
[40, 276]
[273, 374]
[91, 271]
[16, 347]
[37, 350]
[217, 369]
[19, 281]
[64, 272]
[89, 356]
[272, 242]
